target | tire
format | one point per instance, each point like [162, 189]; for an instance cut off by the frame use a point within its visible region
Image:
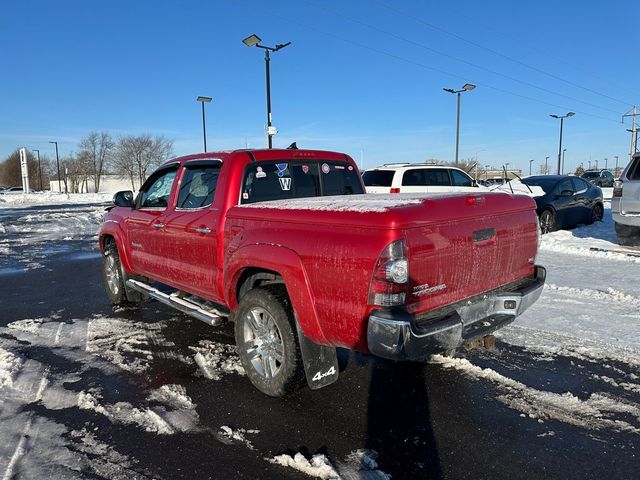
[267, 343]
[597, 213]
[547, 221]
[114, 277]
[628, 236]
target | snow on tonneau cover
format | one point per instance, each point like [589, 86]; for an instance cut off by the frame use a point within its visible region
[460, 245]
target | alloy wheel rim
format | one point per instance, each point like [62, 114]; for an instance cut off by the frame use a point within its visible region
[545, 222]
[597, 213]
[112, 274]
[263, 342]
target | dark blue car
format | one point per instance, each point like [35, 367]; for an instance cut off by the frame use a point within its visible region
[567, 201]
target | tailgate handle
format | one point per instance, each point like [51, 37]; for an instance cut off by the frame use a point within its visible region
[483, 235]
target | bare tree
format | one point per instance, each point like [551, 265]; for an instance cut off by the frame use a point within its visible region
[136, 155]
[97, 150]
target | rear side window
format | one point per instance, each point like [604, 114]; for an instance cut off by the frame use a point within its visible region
[634, 170]
[565, 184]
[580, 185]
[436, 177]
[198, 187]
[459, 179]
[266, 181]
[378, 178]
[413, 178]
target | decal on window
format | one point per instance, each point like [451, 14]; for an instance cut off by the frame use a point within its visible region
[285, 183]
[305, 168]
[281, 168]
[260, 173]
[339, 167]
[350, 168]
[325, 168]
[245, 196]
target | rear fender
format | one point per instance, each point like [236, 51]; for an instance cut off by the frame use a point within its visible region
[288, 265]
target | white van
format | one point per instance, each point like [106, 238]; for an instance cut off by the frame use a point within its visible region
[418, 178]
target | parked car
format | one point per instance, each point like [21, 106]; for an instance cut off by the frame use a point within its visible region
[625, 204]
[285, 244]
[567, 201]
[11, 190]
[600, 178]
[418, 178]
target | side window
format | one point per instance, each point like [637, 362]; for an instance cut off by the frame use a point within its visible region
[413, 178]
[198, 187]
[460, 179]
[156, 193]
[339, 179]
[634, 170]
[438, 177]
[579, 185]
[565, 185]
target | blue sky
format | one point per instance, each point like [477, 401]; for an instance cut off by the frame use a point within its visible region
[363, 77]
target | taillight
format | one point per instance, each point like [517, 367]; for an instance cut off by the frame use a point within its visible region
[390, 276]
[394, 190]
[617, 188]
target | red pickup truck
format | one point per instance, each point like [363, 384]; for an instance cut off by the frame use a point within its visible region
[286, 244]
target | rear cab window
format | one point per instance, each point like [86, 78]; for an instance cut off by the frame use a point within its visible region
[281, 180]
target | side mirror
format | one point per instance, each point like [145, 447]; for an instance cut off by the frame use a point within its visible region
[123, 199]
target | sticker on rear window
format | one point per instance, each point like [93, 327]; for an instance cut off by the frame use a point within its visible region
[325, 168]
[245, 196]
[260, 173]
[339, 167]
[350, 168]
[281, 168]
[285, 183]
[305, 168]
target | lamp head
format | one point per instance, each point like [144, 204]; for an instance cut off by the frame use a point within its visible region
[570, 114]
[468, 87]
[204, 99]
[252, 40]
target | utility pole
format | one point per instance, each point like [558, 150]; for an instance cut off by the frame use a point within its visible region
[634, 138]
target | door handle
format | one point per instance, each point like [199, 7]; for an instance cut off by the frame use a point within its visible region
[204, 230]
[157, 225]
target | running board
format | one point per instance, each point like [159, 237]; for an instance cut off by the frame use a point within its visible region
[211, 317]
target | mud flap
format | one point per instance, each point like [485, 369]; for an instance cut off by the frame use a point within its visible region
[320, 362]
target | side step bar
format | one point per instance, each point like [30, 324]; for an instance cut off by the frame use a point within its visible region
[211, 317]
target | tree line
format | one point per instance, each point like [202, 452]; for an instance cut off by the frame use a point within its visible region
[129, 156]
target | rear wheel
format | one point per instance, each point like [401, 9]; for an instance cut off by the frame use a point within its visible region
[628, 236]
[597, 212]
[547, 221]
[267, 342]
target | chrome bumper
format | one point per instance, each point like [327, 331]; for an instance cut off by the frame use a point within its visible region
[398, 335]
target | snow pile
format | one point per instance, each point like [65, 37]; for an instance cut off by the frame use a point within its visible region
[9, 365]
[370, 202]
[594, 413]
[217, 359]
[227, 434]
[174, 395]
[318, 466]
[52, 198]
[54, 224]
[157, 420]
[30, 325]
[123, 342]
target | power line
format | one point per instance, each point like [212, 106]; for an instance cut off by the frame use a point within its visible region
[502, 55]
[458, 59]
[434, 69]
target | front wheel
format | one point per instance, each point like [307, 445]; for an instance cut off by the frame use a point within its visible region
[115, 277]
[547, 221]
[267, 343]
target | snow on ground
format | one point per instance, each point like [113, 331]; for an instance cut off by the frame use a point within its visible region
[360, 464]
[52, 198]
[216, 359]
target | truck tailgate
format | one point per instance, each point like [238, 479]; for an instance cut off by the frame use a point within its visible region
[480, 243]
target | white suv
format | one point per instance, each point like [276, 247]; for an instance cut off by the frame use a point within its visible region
[625, 204]
[418, 178]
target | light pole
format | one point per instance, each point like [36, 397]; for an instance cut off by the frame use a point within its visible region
[563, 151]
[58, 166]
[467, 87]
[546, 165]
[254, 41]
[561, 117]
[530, 163]
[204, 100]
[596, 164]
[606, 163]
[39, 167]
[616, 157]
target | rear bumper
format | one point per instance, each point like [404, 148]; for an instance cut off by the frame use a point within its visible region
[632, 220]
[400, 336]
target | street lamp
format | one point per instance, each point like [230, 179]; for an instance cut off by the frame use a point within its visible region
[616, 157]
[606, 163]
[530, 163]
[561, 117]
[254, 41]
[204, 100]
[546, 165]
[39, 167]
[58, 165]
[563, 151]
[467, 87]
